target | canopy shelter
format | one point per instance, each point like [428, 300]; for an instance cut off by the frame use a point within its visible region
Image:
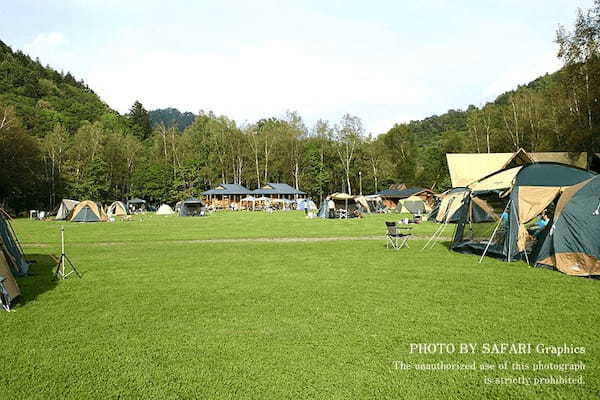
[165, 209]
[278, 191]
[571, 242]
[345, 205]
[192, 207]
[223, 195]
[468, 168]
[136, 205]
[88, 211]
[65, 208]
[495, 222]
[117, 209]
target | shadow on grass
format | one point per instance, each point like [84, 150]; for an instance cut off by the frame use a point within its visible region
[40, 281]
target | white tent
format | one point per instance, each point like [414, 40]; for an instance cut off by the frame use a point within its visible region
[66, 206]
[165, 209]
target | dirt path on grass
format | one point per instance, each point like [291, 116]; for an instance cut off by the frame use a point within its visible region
[236, 240]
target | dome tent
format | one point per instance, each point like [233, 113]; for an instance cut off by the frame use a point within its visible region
[165, 209]
[88, 211]
[117, 209]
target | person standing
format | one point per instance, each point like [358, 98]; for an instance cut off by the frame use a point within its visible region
[331, 207]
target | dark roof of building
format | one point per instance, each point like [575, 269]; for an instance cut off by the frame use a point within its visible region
[228, 189]
[193, 200]
[402, 193]
[277, 188]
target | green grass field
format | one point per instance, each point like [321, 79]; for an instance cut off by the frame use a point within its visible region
[162, 314]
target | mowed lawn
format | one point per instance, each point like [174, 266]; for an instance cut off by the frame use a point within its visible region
[158, 318]
[219, 225]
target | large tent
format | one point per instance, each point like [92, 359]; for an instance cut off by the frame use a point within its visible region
[10, 246]
[12, 263]
[117, 209]
[165, 209]
[88, 211]
[466, 168]
[192, 207]
[495, 221]
[9, 289]
[571, 242]
[65, 208]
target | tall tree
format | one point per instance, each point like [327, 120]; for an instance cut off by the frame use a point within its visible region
[139, 121]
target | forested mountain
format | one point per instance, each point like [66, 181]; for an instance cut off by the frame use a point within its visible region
[171, 117]
[59, 140]
[43, 96]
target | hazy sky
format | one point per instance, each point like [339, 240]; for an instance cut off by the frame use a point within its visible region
[384, 61]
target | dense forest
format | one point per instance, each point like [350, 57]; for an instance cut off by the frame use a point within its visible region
[58, 139]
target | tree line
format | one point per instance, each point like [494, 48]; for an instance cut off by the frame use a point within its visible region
[59, 140]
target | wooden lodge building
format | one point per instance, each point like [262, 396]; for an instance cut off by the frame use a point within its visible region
[227, 193]
[278, 191]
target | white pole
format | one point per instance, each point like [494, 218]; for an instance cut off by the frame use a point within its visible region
[493, 233]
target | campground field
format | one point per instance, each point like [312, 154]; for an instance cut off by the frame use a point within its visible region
[242, 305]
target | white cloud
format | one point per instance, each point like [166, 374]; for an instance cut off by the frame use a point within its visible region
[45, 41]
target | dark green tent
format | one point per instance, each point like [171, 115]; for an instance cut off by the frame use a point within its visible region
[9, 244]
[571, 242]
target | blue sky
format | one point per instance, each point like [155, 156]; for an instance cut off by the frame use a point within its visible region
[384, 61]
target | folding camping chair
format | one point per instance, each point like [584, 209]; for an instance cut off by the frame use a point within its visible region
[395, 238]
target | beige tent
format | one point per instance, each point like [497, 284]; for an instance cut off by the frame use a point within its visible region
[414, 203]
[88, 211]
[117, 209]
[468, 168]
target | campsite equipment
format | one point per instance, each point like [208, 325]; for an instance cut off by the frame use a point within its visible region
[9, 289]
[165, 209]
[395, 238]
[88, 211]
[117, 209]
[65, 208]
[192, 207]
[60, 272]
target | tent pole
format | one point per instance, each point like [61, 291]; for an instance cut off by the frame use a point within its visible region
[441, 229]
[487, 246]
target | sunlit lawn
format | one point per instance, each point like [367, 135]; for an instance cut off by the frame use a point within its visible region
[162, 319]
